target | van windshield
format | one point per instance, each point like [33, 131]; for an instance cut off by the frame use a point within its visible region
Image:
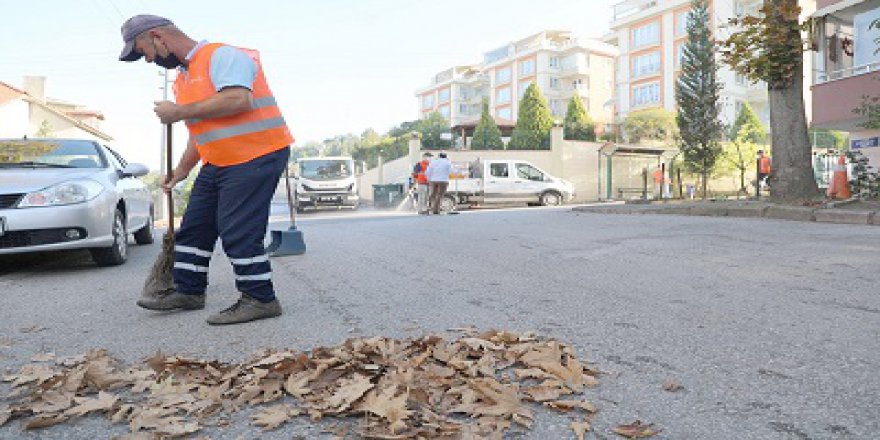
[325, 169]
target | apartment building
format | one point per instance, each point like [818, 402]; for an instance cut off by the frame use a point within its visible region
[847, 65]
[650, 35]
[557, 61]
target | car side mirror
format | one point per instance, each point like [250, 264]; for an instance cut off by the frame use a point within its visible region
[135, 170]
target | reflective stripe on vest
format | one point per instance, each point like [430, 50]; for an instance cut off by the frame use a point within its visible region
[234, 139]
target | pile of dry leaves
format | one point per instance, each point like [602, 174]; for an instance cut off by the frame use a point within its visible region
[474, 387]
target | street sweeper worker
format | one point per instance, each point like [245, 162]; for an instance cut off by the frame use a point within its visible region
[420, 175]
[236, 130]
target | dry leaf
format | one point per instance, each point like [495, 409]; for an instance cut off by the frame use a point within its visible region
[672, 385]
[44, 421]
[5, 415]
[43, 357]
[104, 402]
[274, 416]
[637, 430]
[568, 405]
[580, 428]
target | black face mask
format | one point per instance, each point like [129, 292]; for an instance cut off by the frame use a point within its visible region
[169, 62]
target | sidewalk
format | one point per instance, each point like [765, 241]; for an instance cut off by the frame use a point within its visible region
[852, 212]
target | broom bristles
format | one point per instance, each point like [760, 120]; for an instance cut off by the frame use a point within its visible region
[160, 275]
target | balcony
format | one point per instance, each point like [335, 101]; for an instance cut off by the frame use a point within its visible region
[631, 7]
[824, 77]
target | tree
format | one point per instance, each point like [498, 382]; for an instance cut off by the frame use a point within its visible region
[578, 126]
[655, 125]
[533, 123]
[770, 48]
[742, 151]
[45, 130]
[696, 92]
[487, 135]
[747, 116]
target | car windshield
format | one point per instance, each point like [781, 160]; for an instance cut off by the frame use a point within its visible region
[325, 169]
[54, 153]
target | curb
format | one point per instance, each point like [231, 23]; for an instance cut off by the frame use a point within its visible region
[776, 212]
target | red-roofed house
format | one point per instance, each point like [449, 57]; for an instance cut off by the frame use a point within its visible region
[28, 112]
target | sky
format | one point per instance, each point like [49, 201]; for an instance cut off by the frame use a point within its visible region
[334, 66]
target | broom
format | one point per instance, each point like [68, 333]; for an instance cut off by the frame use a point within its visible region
[160, 279]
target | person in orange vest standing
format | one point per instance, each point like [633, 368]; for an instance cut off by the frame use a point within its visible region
[238, 133]
[658, 182]
[420, 176]
[764, 169]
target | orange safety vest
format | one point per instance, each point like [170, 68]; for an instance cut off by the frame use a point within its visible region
[764, 165]
[421, 177]
[658, 176]
[233, 139]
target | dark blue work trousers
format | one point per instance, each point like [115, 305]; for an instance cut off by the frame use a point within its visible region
[231, 203]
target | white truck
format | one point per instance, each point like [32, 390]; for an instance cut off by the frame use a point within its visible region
[325, 181]
[485, 182]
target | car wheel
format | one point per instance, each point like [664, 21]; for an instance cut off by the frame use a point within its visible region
[145, 235]
[117, 253]
[551, 198]
[447, 204]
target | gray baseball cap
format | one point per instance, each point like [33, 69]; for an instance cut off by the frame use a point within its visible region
[135, 26]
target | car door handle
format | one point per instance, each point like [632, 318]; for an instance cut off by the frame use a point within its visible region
[517, 181]
[491, 181]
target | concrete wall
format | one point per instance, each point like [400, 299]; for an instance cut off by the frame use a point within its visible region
[14, 119]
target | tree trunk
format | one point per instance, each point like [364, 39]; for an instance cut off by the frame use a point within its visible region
[742, 181]
[705, 179]
[792, 173]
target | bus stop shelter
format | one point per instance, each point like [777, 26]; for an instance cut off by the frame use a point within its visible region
[626, 171]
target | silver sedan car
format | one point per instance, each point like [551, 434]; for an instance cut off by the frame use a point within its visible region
[71, 194]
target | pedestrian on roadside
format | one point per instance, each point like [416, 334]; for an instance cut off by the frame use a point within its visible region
[658, 182]
[420, 176]
[764, 169]
[238, 133]
[438, 176]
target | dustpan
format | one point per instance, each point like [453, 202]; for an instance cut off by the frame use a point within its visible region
[289, 242]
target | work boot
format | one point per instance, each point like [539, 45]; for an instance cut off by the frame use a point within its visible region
[171, 300]
[246, 309]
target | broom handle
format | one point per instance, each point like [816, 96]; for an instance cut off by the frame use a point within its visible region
[290, 207]
[169, 196]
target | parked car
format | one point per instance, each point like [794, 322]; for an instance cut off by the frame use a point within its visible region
[71, 194]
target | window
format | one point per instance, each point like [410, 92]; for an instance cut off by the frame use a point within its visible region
[740, 79]
[427, 101]
[116, 159]
[505, 113]
[738, 106]
[646, 94]
[498, 169]
[502, 75]
[681, 23]
[521, 88]
[646, 64]
[443, 95]
[526, 171]
[527, 67]
[554, 83]
[679, 55]
[554, 62]
[464, 109]
[502, 96]
[647, 34]
[444, 111]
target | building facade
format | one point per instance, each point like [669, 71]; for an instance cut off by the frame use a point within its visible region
[558, 62]
[26, 111]
[650, 35]
[847, 64]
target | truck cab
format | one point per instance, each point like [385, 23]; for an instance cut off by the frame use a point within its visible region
[326, 181]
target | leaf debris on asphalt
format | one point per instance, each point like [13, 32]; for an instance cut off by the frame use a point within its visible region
[476, 386]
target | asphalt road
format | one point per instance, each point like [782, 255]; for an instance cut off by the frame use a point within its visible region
[772, 327]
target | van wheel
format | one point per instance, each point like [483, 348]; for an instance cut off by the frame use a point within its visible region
[117, 253]
[551, 198]
[447, 204]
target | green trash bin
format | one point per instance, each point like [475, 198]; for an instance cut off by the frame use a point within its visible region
[388, 195]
